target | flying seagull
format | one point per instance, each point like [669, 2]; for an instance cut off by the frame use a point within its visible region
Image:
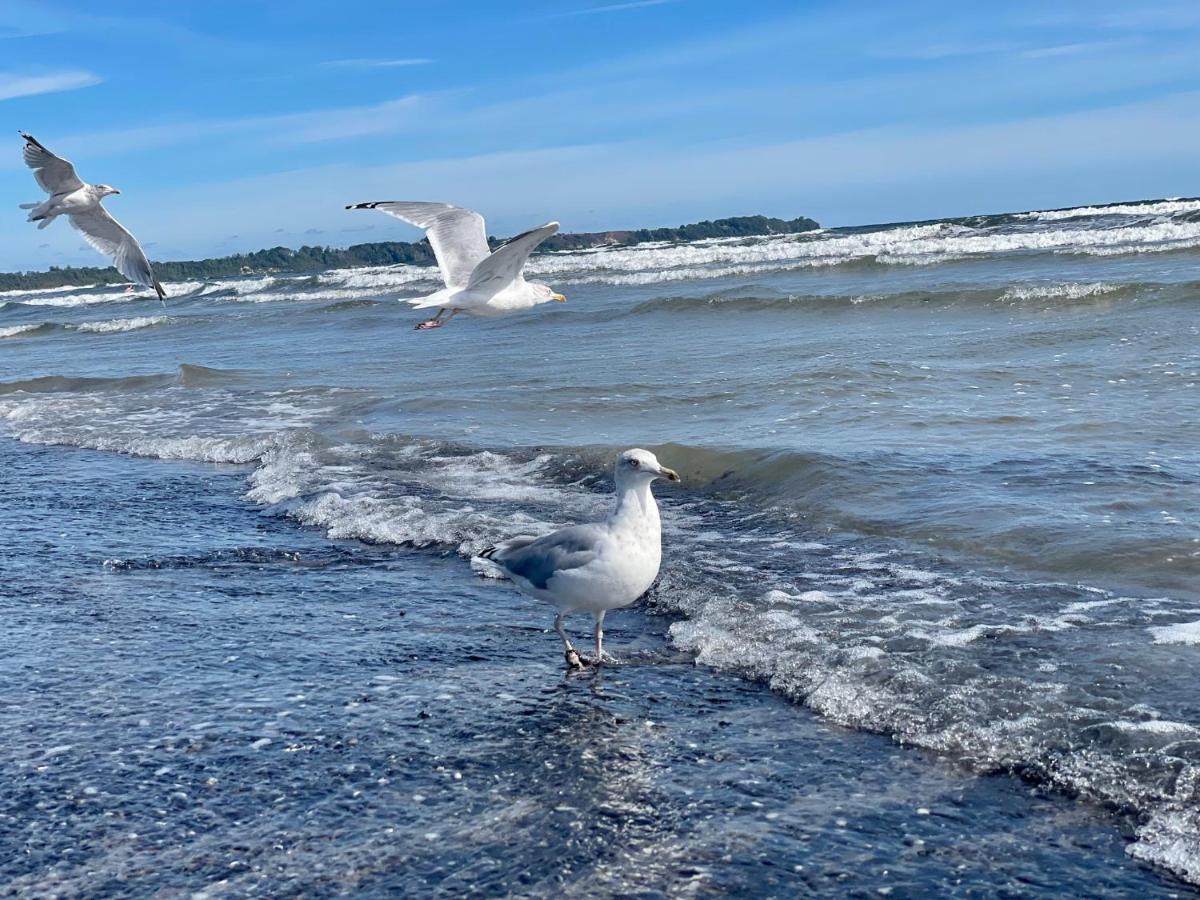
[594, 568]
[479, 281]
[80, 202]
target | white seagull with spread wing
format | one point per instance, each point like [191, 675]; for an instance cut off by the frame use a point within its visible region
[479, 281]
[80, 202]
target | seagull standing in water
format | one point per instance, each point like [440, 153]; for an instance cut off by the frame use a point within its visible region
[80, 202]
[479, 281]
[598, 567]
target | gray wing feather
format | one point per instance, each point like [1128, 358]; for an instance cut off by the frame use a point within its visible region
[537, 560]
[111, 238]
[55, 174]
[505, 263]
[458, 236]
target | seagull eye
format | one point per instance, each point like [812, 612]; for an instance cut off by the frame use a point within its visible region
[633, 464]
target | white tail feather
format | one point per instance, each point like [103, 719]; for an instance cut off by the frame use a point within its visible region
[434, 300]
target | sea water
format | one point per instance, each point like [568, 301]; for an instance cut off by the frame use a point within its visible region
[928, 619]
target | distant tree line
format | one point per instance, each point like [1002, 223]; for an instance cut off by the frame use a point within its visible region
[389, 253]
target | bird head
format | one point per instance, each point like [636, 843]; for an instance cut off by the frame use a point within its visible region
[641, 465]
[106, 189]
[545, 293]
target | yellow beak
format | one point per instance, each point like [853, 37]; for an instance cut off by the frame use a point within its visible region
[559, 297]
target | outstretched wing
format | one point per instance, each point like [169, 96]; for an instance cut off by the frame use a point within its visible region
[55, 174]
[503, 265]
[458, 236]
[111, 238]
[538, 561]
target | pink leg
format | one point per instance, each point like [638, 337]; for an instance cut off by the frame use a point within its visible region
[437, 321]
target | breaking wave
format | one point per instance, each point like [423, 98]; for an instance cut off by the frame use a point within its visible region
[911, 245]
[27, 330]
[1171, 207]
[116, 325]
[1034, 293]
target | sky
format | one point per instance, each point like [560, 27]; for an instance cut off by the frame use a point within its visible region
[233, 126]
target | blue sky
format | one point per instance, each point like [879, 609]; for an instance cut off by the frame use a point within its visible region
[240, 125]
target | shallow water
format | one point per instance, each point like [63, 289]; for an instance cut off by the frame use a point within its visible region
[940, 491]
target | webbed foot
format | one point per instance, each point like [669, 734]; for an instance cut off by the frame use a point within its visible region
[604, 659]
[427, 324]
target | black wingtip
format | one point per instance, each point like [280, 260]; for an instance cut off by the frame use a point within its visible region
[487, 554]
[371, 205]
[32, 140]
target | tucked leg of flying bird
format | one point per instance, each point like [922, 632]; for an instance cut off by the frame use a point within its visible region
[572, 656]
[437, 321]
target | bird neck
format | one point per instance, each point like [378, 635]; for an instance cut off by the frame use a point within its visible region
[635, 507]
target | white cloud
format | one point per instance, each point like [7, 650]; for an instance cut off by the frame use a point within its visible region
[16, 85]
[349, 122]
[268, 131]
[377, 63]
[1076, 49]
[614, 7]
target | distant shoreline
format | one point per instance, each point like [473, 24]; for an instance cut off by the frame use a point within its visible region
[388, 253]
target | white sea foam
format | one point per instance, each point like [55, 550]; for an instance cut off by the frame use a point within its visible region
[1060, 291]
[1160, 208]
[1183, 633]
[382, 277]
[1156, 727]
[37, 292]
[463, 501]
[1171, 837]
[70, 300]
[75, 295]
[114, 325]
[340, 284]
[18, 330]
[699, 258]
[929, 244]
[179, 288]
[251, 285]
[307, 295]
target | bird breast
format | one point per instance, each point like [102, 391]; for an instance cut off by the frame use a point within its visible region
[78, 201]
[517, 295]
[636, 555]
